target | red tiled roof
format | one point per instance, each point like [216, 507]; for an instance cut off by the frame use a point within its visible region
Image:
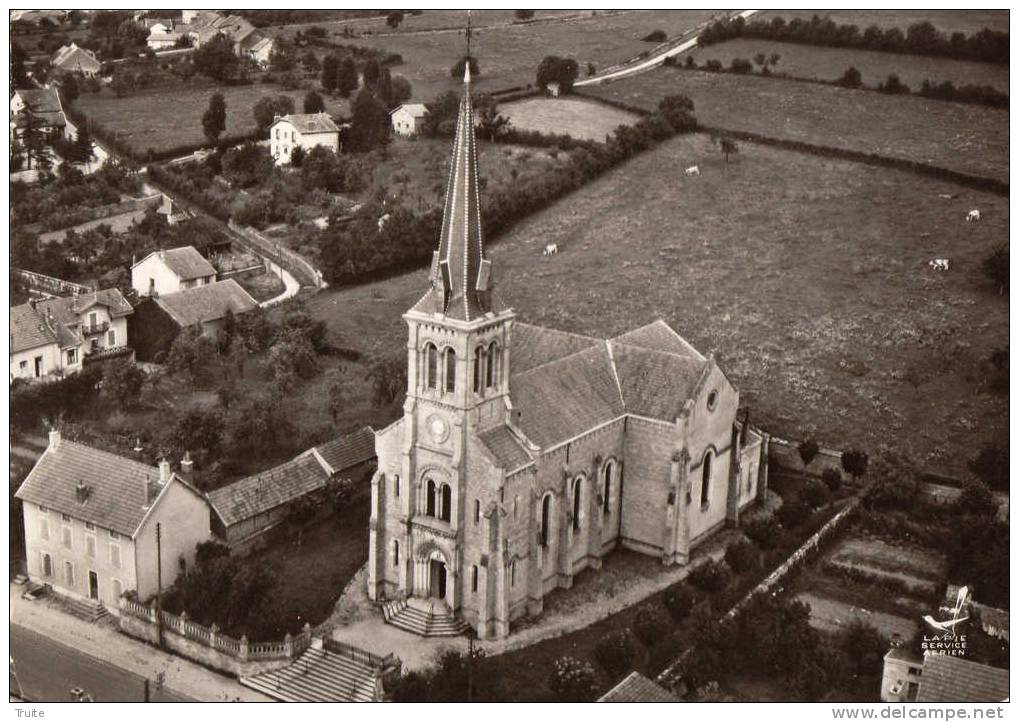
[29, 329]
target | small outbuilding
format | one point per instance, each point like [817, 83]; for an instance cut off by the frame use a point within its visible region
[408, 117]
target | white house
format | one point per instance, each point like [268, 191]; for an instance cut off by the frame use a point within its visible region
[91, 520]
[162, 39]
[56, 336]
[407, 118]
[305, 130]
[171, 270]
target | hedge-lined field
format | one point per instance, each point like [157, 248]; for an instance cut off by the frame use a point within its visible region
[947, 21]
[966, 138]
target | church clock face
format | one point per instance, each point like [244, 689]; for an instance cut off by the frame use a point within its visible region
[438, 429]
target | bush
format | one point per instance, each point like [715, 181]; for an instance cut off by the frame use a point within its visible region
[573, 680]
[655, 36]
[742, 556]
[832, 479]
[808, 450]
[976, 499]
[679, 602]
[711, 576]
[793, 513]
[741, 65]
[814, 493]
[615, 654]
[854, 462]
[991, 466]
[714, 66]
[648, 625]
[850, 79]
[893, 86]
[765, 532]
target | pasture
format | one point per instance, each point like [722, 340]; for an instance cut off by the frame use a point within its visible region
[574, 116]
[508, 55]
[967, 138]
[807, 278]
[820, 63]
[162, 118]
[427, 21]
[967, 21]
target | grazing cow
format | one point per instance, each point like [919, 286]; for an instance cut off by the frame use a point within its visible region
[551, 249]
[948, 196]
[973, 215]
[382, 222]
[693, 170]
[939, 264]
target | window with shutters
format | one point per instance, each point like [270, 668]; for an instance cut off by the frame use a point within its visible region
[90, 546]
[66, 537]
[44, 529]
[115, 555]
[69, 573]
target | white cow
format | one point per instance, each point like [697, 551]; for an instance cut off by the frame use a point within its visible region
[693, 170]
[973, 215]
[939, 264]
[551, 249]
[382, 222]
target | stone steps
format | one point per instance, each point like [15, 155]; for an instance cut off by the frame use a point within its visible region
[318, 676]
[421, 622]
[87, 610]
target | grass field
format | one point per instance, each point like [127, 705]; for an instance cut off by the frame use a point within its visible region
[427, 21]
[967, 138]
[160, 118]
[814, 62]
[509, 55]
[947, 21]
[578, 117]
[807, 278]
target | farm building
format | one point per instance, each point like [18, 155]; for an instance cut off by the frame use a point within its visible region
[171, 270]
[43, 105]
[304, 130]
[407, 118]
[76, 60]
[158, 320]
[259, 502]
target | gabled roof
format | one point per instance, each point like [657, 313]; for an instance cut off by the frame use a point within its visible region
[29, 329]
[69, 309]
[536, 345]
[186, 262]
[637, 688]
[417, 110]
[44, 105]
[309, 122]
[655, 383]
[256, 43]
[203, 304]
[953, 679]
[71, 57]
[269, 489]
[117, 499]
[348, 451]
[505, 448]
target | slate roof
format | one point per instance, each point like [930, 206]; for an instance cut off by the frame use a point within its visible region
[185, 261]
[269, 489]
[117, 500]
[659, 336]
[310, 122]
[953, 679]
[504, 446]
[653, 383]
[637, 688]
[416, 110]
[535, 345]
[203, 304]
[348, 451]
[29, 329]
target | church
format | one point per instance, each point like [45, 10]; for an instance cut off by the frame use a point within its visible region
[525, 455]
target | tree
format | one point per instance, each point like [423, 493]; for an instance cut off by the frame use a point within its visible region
[808, 451]
[82, 151]
[394, 19]
[490, 123]
[310, 61]
[554, 69]
[761, 60]
[793, 512]
[995, 267]
[615, 654]
[214, 118]
[372, 73]
[313, 103]
[457, 70]
[389, 379]
[301, 513]
[69, 89]
[741, 65]
[727, 145]
[679, 602]
[330, 73]
[991, 467]
[346, 80]
[216, 59]
[854, 462]
[400, 90]
[246, 165]
[292, 358]
[523, 14]
[337, 389]
[571, 679]
[976, 499]
[592, 70]
[199, 432]
[370, 125]
[19, 78]
[742, 556]
[832, 479]
[894, 86]
[648, 624]
[678, 112]
[283, 56]
[191, 353]
[297, 156]
[851, 78]
[773, 59]
[267, 108]
[122, 382]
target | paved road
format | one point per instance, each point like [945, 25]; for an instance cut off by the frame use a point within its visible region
[47, 670]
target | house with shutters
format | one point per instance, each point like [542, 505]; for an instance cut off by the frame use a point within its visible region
[302, 130]
[171, 270]
[91, 521]
[526, 454]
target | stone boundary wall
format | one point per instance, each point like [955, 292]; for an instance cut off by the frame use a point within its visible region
[49, 284]
[293, 262]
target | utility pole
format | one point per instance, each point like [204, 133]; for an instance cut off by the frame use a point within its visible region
[159, 583]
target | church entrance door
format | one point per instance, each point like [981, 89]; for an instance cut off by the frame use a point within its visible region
[437, 585]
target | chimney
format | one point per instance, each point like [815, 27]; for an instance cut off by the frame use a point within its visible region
[54, 438]
[187, 466]
[82, 492]
[164, 471]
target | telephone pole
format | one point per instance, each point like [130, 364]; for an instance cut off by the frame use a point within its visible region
[159, 583]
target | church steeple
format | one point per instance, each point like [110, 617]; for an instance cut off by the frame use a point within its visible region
[461, 276]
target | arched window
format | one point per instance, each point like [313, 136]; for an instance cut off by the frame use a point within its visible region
[546, 518]
[576, 504]
[430, 498]
[606, 487]
[479, 360]
[447, 497]
[450, 370]
[705, 479]
[396, 553]
[492, 369]
[431, 366]
[474, 578]
[477, 511]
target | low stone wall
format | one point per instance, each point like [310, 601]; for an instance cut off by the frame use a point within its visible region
[293, 262]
